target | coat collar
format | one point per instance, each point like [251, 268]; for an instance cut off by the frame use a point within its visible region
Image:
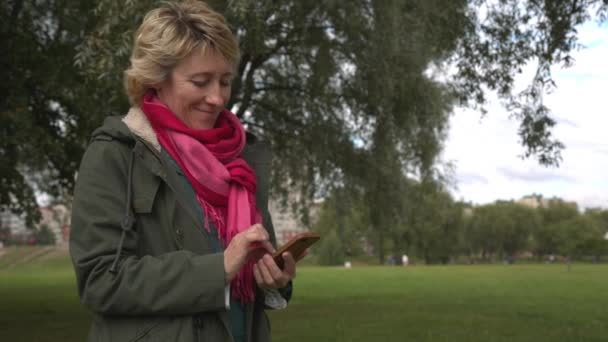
[139, 124]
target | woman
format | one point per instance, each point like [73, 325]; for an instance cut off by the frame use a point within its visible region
[171, 233]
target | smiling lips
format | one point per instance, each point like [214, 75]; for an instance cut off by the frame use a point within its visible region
[213, 112]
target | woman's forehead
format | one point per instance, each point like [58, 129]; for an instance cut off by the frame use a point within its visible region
[204, 62]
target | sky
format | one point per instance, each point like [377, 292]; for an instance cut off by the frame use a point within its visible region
[486, 152]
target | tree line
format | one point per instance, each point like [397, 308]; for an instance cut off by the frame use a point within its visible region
[434, 228]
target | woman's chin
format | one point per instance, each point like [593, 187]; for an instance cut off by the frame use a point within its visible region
[203, 124]
[203, 120]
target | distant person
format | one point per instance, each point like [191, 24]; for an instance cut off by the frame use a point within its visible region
[171, 199]
[391, 260]
[405, 260]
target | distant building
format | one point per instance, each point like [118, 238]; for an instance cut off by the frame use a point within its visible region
[55, 217]
[533, 201]
[467, 212]
[537, 201]
[15, 223]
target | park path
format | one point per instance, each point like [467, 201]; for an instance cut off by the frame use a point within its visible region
[35, 254]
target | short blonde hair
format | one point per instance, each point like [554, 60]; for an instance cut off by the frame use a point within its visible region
[170, 33]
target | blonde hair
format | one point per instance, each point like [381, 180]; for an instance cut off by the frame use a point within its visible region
[170, 33]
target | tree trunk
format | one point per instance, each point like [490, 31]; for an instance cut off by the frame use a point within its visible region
[380, 247]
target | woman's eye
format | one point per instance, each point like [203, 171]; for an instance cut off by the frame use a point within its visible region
[200, 84]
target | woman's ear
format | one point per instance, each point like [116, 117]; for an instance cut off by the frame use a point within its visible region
[159, 85]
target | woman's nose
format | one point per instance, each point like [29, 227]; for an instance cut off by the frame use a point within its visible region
[215, 97]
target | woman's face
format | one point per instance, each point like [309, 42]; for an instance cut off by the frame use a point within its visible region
[198, 88]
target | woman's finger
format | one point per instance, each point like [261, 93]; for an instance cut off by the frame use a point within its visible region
[289, 265]
[256, 233]
[272, 266]
[265, 273]
[258, 276]
[280, 277]
[251, 243]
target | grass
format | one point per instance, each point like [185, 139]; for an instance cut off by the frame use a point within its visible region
[453, 303]
[38, 302]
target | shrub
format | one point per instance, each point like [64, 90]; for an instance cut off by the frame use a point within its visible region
[44, 236]
[331, 251]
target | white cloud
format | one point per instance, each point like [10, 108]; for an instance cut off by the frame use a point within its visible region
[486, 150]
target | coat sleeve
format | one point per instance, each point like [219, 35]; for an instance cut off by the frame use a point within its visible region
[174, 283]
[262, 167]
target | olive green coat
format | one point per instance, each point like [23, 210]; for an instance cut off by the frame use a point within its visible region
[131, 209]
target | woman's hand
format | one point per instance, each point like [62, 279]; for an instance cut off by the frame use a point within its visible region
[241, 245]
[269, 276]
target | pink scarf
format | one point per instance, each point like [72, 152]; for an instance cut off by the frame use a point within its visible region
[224, 183]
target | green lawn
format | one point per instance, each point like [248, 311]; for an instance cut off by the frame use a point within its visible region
[455, 303]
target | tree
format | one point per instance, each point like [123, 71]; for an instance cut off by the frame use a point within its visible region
[465, 245]
[343, 214]
[502, 228]
[600, 217]
[558, 210]
[46, 111]
[335, 87]
[330, 250]
[578, 236]
[435, 222]
[547, 238]
[524, 222]
[503, 37]
[425, 221]
[483, 232]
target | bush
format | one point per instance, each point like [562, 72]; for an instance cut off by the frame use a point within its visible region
[44, 236]
[331, 251]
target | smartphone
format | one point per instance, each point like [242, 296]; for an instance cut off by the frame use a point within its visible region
[296, 246]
